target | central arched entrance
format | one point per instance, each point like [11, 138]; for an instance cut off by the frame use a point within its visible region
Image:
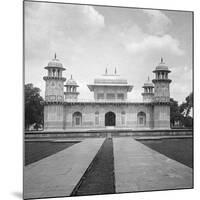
[110, 119]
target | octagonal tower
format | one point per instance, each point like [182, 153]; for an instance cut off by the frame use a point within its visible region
[161, 82]
[71, 93]
[54, 95]
[54, 90]
[148, 91]
[161, 96]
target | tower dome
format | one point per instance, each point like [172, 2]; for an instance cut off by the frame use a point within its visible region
[148, 84]
[71, 82]
[112, 79]
[55, 63]
[161, 71]
[162, 67]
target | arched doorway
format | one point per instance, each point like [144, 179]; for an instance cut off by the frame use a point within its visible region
[141, 118]
[77, 119]
[110, 119]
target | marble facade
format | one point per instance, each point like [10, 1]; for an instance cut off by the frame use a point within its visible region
[110, 107]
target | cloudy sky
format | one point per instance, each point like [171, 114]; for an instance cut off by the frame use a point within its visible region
[87, 39]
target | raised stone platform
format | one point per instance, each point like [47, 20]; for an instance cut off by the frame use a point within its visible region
[138, 168]
[58, 175]
[114, 132]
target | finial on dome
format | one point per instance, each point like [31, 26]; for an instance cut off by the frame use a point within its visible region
[71, 76]
[55, 56]
[161, 60]
[115, 70]
[106, 72]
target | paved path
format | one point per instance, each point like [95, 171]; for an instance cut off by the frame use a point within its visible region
[138, 168]
[57, 175]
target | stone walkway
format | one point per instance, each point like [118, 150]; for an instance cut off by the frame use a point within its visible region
[138, 168]
[57, 175]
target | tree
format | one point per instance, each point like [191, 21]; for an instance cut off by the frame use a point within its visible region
[188, 121]
[185, 109]
[33, 107]
[182, 113]
[175, 115]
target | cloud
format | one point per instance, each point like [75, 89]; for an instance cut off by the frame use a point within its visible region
[153, 43]
[139, 41]
[59, 17]
[181, 75]
[49, 26]
[85, 43]
[92, 17]
[158, 22]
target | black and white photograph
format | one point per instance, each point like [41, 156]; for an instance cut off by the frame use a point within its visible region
[108, 99]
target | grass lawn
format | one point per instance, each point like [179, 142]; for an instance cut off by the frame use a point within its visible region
[180, 150]
[35, 151]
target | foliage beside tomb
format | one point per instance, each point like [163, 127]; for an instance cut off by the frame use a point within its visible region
[181, 115]
[33, 107]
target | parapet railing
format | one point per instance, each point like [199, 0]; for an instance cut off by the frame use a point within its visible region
[103, 100]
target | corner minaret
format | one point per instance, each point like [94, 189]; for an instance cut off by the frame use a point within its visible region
[71, 93]
[54, 90]
[54, 96]
[161, 83]
[161, 96]
[148, 91]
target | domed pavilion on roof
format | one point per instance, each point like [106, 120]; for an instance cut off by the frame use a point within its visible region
[110, 87]
[63, 110]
